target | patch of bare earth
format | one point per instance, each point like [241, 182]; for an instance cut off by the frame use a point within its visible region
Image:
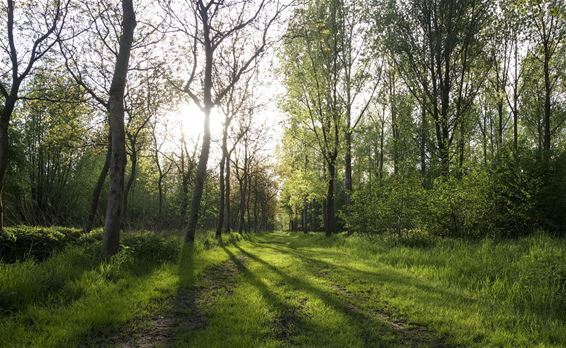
[186, 311]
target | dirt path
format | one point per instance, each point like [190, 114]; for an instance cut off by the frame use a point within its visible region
[185, 311]
[270, 294]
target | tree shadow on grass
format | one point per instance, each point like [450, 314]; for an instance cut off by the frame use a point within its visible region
[289, 321]
[391, 276]
[379, 332]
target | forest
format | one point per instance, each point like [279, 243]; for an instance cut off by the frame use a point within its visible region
[283, 173]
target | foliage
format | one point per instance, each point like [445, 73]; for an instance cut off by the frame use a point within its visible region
[23, 242]
[395, 206]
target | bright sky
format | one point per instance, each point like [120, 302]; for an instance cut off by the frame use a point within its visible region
[188, 119]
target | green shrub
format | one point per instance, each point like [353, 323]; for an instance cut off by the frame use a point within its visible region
[460, 208]
[394, 206]
[21, 242]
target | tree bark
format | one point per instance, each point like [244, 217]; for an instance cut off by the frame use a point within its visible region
[221, 201]
[111, 239]
[95, 198]
[228, 218]
[205, 149]
[547, 101]
[348, 175]
[330, 221]
[242, 207]
[9, 106]
[130, 181]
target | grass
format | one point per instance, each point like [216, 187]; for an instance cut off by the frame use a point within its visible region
[73, 297]
[282, 289]
[312, 291]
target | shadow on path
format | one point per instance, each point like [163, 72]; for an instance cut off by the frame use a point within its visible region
[376, 328]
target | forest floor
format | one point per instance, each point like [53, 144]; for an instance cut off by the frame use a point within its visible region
[280, 291]
[291, 290]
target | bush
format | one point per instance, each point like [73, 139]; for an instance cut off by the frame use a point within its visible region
[21, 242]
[395, 206]
[460, 208]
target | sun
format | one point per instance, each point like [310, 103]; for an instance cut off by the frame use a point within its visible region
[191, 119]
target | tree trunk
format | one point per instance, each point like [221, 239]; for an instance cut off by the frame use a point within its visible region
[185, 174]
[242, 207]
[547, 102]
[423, 140]
[7, 111]
[228, 218]
[248, 202]
[160, 193]
[199, 179]
[205, 149]
[330, 221]
[111, 239]
[348, 177]
[130, 182]
[221, 201]
[95, 198]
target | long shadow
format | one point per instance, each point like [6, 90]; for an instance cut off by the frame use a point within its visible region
[394, 276]
[373, 334]
[288, 321]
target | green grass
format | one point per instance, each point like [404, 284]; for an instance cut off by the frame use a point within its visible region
[296, 290]
[73, 297]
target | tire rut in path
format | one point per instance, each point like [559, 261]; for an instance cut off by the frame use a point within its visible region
[185, 310]
[409, 334]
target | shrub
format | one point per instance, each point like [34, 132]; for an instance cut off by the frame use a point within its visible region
[21, 242]
[460, 208]
[394, 206]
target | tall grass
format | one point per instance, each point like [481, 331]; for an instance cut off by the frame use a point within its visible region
[516, 285]
[75, 296]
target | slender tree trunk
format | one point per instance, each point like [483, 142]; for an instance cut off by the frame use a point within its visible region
[199, 179]
[228, 218]
[423, 139]
[515, 99]
[330, 221]
[130, 182]
[248, 201]
[95, 198]
[305, 226]
[160, 193]
[547, 103]
[185, 168]
[221, 201]
[111, 239]
[381, 150]
[255, 205]
[348, 176]
[242, 208]
[205, 149]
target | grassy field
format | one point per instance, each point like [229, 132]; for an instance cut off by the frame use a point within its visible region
[281, 289]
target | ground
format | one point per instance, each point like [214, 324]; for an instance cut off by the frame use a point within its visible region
[271, 292]
[290, 290]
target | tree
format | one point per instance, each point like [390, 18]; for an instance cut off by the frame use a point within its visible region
[212, 23]
[436, 47]
[312, 72]
[114, 209]
[29, 36]
[547, 19]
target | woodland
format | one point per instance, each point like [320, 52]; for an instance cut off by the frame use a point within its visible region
[281, 173]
